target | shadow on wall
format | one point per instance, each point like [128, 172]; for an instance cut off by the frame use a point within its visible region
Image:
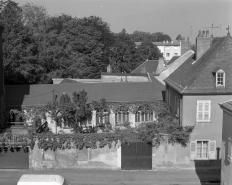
[14, 95]
[209, 171]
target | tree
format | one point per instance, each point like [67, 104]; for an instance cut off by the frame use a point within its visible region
[139, 36]
[71, 113]
[124, 56]
[148, 51]
[179, 37]
[19, 48]
[165, 126]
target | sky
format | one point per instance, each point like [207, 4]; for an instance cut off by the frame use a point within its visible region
[172, 17]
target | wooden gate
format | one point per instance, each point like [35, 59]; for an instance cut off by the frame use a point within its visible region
[136, 156]
[14, 158]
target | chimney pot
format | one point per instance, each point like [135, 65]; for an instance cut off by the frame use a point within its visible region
[203, 34]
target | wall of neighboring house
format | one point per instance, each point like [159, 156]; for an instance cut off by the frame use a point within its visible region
[114, 78]
[226, 148]
[170, 51]
[174, 100]
[112, 118]
[204, 131]
[205, 140]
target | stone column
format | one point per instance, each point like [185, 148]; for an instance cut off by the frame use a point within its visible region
[132, 118]
[112, 118]
[94, 118]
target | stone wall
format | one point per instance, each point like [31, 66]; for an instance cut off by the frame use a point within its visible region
[100, 158]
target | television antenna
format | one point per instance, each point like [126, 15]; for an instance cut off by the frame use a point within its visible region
[213, 27]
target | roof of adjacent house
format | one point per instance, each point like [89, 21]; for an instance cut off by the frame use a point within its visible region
[123, 74]
[173, 43]
[198, 76]
[227, 105]
[149, 65]
[28, 95]
[173, 59]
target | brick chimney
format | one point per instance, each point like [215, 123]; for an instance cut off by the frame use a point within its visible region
[203, 42]
[2, 91]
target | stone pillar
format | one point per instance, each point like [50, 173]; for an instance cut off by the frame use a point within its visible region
[119, 154]
[132, 118]
[94, 118]
[112, 118]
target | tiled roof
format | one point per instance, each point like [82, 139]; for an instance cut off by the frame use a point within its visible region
[227, 105]
[150, 66]
[197, 76]
[67, 81]
[172, 59]
[26, 95]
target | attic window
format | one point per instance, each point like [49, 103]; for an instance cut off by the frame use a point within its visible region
[220, 78]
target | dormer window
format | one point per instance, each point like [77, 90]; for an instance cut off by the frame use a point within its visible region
[220, 78]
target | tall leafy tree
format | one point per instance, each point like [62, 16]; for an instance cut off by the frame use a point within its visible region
[19, 48]
[124, 55]
[148, 51]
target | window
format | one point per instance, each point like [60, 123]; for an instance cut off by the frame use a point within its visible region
[203, 150]
[167, 47]
[143, 117]
[229, 156]
[203, 110]
[121, 117]
[15, 117]
[175, 54]
[220, 78]
[167, 54]
[175, 47]
[103, 119]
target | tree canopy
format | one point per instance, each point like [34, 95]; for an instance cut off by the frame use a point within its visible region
[38, 47]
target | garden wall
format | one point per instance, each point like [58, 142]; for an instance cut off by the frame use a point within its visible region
[100, 158]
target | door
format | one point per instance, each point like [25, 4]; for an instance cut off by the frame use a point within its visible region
[14, 158]
[136, 156]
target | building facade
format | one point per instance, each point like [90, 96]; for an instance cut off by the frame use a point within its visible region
[226, 148]
[171, 49]
[193, 92]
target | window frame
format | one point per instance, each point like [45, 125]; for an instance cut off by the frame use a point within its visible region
[127, 119]
[211, 149]
[101, 120]
[202, 145]
[142, 117]
[220, 72]
[203, 102]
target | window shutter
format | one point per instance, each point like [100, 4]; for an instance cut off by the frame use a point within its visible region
[199, 111]
[207, 108]
[193, 150]
[229, 157]
[212, 150]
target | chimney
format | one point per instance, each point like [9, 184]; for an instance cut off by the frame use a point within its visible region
[203, 43]
[2, 91]
[109, 69]
[161, 65]
[185, 45]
